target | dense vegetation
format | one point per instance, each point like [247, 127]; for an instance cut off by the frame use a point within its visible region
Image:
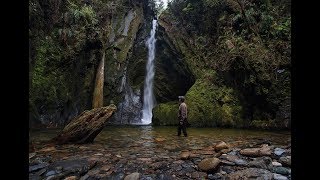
[67, 40]
[231, 58]
[240, 51]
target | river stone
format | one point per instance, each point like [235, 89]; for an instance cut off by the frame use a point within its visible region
[274, 163]
[264, 150]
[133, 176]
[279, 151]
[160, 139]
[185, 155]
[71, 178]
[47, 149]
[209, 164]
[228, 163]
[31, 155]
[286, 161]
[38, 166]
[282, 170]
[234, 159]
[261, 162]
[250, 173]
[279, 177]
[221, 145]
[198, 175]
[215, 176]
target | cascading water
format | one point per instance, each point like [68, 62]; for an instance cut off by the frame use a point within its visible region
[148, 97]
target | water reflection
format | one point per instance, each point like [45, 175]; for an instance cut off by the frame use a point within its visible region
[150, 139]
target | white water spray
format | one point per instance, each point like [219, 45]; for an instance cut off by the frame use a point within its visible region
[148, 97]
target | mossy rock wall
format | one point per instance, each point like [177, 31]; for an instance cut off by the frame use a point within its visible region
[208, 105]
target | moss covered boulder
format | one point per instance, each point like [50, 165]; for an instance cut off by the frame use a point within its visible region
[166, 113]
[208, 105]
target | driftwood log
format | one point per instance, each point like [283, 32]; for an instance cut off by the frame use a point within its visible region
[85, 127]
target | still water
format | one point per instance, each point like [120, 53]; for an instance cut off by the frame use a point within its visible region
[149, 137]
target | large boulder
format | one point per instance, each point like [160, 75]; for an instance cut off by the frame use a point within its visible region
[85, 127]
[221, 145]
[264, 150]
[209, 164]
[286, 161]
[261, 162]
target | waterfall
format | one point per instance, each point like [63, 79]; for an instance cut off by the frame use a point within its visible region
[98, 89]
[148, 97]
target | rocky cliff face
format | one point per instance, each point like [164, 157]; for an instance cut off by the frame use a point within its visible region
[239, 54]
[67, 42]
[66, 53]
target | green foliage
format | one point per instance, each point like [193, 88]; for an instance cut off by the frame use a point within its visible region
[208, 105]
[213, 3]
[246, 43]
[166, 114]
[47, 84]
[211, 105]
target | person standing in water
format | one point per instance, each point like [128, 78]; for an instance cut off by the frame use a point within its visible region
[182, 117]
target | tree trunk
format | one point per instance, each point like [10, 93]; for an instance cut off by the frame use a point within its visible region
[85, 127]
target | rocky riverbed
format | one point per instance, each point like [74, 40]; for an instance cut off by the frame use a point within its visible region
[157, 153]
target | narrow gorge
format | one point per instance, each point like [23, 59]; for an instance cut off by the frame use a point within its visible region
[105, 77]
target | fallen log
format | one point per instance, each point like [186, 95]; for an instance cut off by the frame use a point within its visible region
[85, 127]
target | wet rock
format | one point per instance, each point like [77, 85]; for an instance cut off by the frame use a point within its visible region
[216, 176]
[164, 177]
[285, 161]
[178, 162]
[221, 145]
[235, 159]
[185, 155]
[227, 169]
[133, 176]
[261, 162]
[144, 159]
[34, 177]
[205, 152]
[119, 175]
[31, 155]
[198, 175]
[196, 160]
[50, 173]
[209, 148]
[209, 164]
[93, 172]
[79, 166]
[105, 168]
[241, 162]
[264, 150]
[71, 178]
[250, 173]
[281, 170]
[274, 163]
[37, 167]
[160, 139]
[227, 162]
[159, 165]
[41, 171]
[279, 177]
[225, 151]
[279, 151]
[233, 152]
[47, 149]
[98, 154]
[177, 168]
